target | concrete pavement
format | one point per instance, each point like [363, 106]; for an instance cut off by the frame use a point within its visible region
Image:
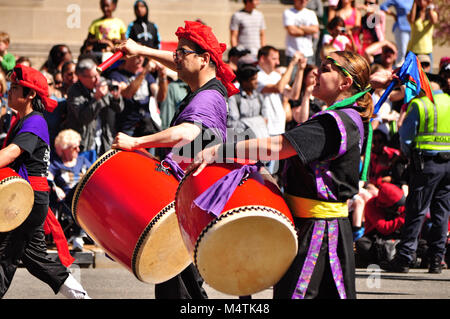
[106, 279]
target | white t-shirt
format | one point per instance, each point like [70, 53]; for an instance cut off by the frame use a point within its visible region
[276, 114]
[304, 44]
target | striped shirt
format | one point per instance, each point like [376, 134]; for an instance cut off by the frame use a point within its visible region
[249, 26]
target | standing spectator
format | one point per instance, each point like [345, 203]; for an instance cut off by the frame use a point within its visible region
[272, 85]
[92, 108]
[424, 139]
[7, 60]
[139, 86]
[373, 24]
[142, 30]
[301, 25]
[422, 18]
[106, 31]
[401, 27]
[246, 109]
[352, 17]
[248, 28]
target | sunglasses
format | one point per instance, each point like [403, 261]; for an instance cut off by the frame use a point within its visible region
[182, 52]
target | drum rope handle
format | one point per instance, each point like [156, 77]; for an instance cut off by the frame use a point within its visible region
[161, 168]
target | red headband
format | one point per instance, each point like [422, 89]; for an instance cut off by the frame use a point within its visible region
[205, 38]
[33, 79]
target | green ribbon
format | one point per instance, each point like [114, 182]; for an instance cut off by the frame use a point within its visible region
[348, 102]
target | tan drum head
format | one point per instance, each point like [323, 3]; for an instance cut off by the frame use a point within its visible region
[246, 250]
[160, 253]
[16, 202]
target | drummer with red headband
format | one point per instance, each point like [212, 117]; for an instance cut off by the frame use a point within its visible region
[26, 150]
[199, 121]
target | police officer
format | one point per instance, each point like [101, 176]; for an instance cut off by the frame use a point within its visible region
[425, 139]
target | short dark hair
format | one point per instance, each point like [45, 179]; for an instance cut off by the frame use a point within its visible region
[265, 50]
[245, 72]
[336, 22]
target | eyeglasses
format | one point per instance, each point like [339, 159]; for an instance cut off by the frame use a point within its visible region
[182, 51]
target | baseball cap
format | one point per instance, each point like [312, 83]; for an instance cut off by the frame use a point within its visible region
[33, 79]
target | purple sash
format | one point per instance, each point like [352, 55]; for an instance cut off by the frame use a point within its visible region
[325, 191]
[214, 199]
[321, 170]
[209, 109]
[313, 254]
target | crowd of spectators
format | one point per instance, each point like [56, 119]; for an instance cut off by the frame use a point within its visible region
[140, 97]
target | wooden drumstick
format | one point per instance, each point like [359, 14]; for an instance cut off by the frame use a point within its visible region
[113, 59]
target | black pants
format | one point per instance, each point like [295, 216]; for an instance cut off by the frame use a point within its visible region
[429, 189]
[26, 243]
[186, 285]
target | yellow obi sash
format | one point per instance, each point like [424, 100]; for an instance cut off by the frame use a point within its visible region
[311, 208]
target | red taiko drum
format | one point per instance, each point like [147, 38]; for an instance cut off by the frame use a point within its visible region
[251, 245]
[125, 202]
[16, 199]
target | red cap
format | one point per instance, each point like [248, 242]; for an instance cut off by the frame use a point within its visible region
[389, 195]
[33, 79]
[205, 38]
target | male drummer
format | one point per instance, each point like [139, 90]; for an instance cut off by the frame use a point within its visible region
[200, 119]
[27, 151]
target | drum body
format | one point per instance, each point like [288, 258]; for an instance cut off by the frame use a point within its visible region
[16, 199]
[250, 246]
[126, 204]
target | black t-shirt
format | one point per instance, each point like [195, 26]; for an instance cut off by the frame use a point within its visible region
[318, 139]
[206, 138]
[35, 156]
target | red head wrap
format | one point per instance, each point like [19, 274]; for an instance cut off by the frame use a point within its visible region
[389, 195]
[33, 79]
[203, 36]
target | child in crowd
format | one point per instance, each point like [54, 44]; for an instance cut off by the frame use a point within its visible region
[106, 31]
[142, 30]
[7, 60]
[339, 37]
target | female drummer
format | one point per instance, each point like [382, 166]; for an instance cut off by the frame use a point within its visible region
[323, 173]
[27, 151]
